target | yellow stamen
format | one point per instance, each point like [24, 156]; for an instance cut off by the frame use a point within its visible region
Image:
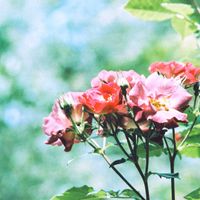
[158, 105]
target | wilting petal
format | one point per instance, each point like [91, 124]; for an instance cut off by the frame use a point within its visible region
[68, 140]
[54, 140]
[57, 124]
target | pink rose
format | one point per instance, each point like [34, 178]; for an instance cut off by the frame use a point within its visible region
[185, 71]
[159, 99]
[106, 98]
[121, 78]
[58, 125]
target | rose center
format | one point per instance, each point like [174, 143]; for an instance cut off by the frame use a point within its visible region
[159, 104]
[108, 97]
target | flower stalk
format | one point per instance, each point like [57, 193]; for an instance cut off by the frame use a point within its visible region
[126, 104]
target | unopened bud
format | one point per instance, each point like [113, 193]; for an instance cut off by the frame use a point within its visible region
[66, 105]
[122, 82]
[196, 88]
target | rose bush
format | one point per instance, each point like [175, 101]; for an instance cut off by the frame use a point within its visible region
[144, 110]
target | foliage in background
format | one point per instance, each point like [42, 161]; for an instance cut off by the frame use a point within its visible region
[184, 15]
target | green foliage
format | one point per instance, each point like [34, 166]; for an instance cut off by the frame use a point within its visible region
[190, 114]
[179, 8]
[88, 193]
[194, 195]
[5, 43]
[183, 27]
[154, 150]
[148, 9]
[184, 17]
[194, 136]
[191, 148]
[74, 193]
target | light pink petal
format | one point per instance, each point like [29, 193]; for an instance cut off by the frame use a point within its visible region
[104, 77]
[56, 121]
[180, 99]
[166, 116]
[138, 93]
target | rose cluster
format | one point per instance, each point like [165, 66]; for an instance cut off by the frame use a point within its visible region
[123, 99]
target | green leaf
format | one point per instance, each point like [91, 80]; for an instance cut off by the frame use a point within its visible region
[195, 130]
[194, 195]
[88, 193]
[180, 8]
[194, 137]
[154, 150]
[190, 114]
[117, 162]
[166, 175]
[96, 196]
[114, 193]
[148, 10]
[74, 193]
[191, 150]
[129, 193]
[182, 26]
[195, 17]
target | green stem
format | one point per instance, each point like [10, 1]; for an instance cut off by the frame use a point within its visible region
[188, 133]
[172, 157]
[172, 163]
[115, 169]
[168, 149]
[147, 168]
[135, 162]
[196, 5]
[95, 146]
[172, 180]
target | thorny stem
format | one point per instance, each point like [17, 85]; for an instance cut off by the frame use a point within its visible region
[95, 146]
[115, 169]
[135, 161]
[168, 149]
[172, 156]
[196, 90]
[195, 101]
[147, 168]
[137, 125]
[172, 162]
[144, 178]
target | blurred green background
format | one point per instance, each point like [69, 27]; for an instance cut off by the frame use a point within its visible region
[48, 47]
